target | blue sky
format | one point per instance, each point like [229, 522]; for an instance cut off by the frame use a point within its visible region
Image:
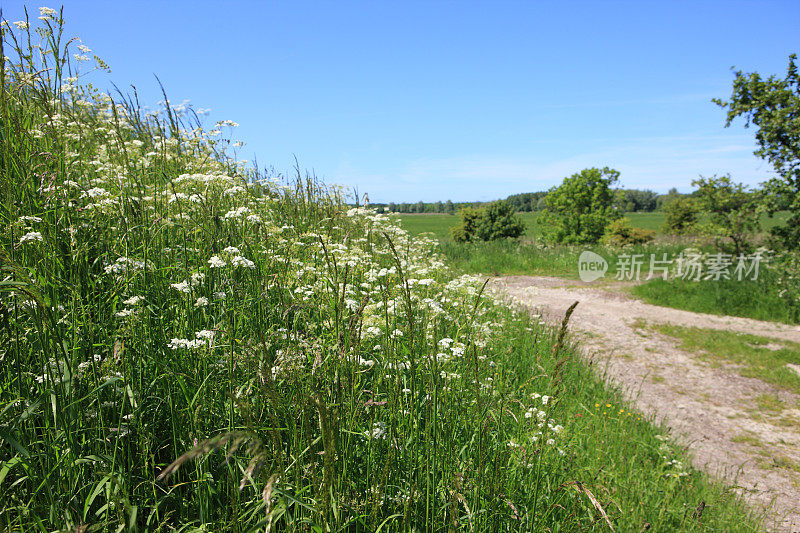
[466, 101]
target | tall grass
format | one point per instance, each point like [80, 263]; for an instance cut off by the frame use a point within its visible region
[187, 343]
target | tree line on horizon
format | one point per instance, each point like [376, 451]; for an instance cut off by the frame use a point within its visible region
[628, 200]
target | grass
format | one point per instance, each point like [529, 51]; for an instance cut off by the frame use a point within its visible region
[763, 299]
[189, 344]
[760, 299]
[440, 224]
[755, 356]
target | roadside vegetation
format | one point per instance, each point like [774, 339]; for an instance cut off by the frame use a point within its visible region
[187, 343]
[756, 357]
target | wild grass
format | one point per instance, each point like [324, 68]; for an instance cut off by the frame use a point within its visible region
[756, 356]
[187, 343]
[760, 299]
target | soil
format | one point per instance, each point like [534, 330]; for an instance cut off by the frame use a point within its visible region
[710, 407]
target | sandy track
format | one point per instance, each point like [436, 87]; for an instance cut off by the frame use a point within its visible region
[711, 409]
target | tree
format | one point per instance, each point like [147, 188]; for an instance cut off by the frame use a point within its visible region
[493, 222]
[449, 207]
[640, 200]
[467, 229]
[578, 211]
[680, 214]
[732, 208]
[773, 106]
[499, 221]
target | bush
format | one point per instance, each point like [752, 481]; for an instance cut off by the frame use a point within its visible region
[493, 222]
[733, 210]
[621, 233]
[467, 229]
[578, 211]
[681, 215]
[498, 221]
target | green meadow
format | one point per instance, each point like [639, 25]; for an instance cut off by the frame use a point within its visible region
[763, 299]
[440, 224]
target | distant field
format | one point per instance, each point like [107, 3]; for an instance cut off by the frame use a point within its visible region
[439, 224]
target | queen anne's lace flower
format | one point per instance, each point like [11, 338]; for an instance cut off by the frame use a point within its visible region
[31, 236]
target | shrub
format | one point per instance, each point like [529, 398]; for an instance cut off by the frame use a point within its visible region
[467, 228]
[578, 211]
[495, 221]
[620, 232]
[499, 221]
[733, 210]
[681, 215]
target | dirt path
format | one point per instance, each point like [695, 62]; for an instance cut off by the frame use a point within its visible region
[712, 409]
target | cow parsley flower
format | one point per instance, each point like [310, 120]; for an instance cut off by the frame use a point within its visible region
[205, 334]
[31, 236]
[216, 262]
[183, 286]
[238, 260]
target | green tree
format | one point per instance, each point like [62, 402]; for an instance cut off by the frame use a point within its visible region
[640, 200]
[772, 105]
[578, 211]
[495, 221]
[467, 228]
[732, 208]
[680, 214]
[499, 221]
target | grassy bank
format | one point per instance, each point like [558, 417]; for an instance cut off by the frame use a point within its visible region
[760, 299]
[187, 343]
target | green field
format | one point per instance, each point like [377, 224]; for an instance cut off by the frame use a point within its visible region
[761, 299]
[439, 224]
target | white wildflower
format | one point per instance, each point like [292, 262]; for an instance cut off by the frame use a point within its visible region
[133, 300]
[238, 260]
[216, 262]
[31, 236]
[183, 286]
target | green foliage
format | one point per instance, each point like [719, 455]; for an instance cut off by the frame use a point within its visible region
[467, 228]
[498, 221]
[636, 200]
[578, 211]
[733, 210]
[680, 215]
[495, 221]
[620, 232]
[526, 202]
[772, 105]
